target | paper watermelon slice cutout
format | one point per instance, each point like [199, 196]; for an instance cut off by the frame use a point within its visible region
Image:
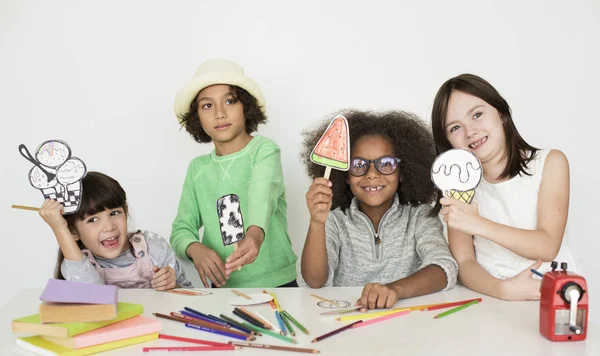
[333, 148]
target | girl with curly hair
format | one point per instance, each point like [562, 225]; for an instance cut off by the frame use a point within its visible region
[220, 104]
[374, 225]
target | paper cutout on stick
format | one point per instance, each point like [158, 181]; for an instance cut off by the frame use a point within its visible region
[457, 173]
[230, 219]
[333, 148]
[56, 174]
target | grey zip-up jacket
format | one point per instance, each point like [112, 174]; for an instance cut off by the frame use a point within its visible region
[408, 239]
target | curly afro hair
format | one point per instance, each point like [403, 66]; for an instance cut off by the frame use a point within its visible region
[252, 112]
[413, 144]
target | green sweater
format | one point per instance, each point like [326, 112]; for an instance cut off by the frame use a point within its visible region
[256, 176]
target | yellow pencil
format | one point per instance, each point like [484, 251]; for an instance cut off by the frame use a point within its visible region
[363, 316]
[276, 301]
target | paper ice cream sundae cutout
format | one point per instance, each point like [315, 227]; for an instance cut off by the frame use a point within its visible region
[56, 173]
[457, 173]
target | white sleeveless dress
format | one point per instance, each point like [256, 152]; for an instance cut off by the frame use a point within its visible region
[513, 203]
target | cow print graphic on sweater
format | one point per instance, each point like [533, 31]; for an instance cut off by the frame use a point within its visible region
[230, 219]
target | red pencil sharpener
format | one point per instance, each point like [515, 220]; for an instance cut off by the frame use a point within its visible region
[563, 305]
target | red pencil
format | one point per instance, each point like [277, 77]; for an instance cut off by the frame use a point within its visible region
[331, 333]
[450, 305]
[188, 348]
[190, 340]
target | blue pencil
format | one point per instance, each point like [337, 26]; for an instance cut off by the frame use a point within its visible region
[280, 321]
[203, 328]
[217, 320]
[537, 273]
[196, 316]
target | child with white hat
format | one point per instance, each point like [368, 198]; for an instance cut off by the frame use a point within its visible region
[220, 104]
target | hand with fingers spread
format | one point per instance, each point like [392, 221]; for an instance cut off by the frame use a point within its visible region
[377, 296]
[164, 278]
[247, 249]
[319, 199]
[208, 264]
[522, 286]
[52, 213]
[460, 215]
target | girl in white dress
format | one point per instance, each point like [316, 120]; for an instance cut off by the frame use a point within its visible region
[518, 216]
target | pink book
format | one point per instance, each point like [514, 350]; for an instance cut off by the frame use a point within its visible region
[126, 329]
[61, 291]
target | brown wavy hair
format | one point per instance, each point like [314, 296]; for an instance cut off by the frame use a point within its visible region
[252, 113]
[99, 192]
[412, 142]
[518, 152]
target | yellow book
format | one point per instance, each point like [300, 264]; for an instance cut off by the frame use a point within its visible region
[33, 325]
[40, 346]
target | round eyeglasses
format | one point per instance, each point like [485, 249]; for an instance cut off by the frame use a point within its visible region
[385, 165]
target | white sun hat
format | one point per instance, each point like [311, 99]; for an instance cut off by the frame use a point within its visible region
[216, 71]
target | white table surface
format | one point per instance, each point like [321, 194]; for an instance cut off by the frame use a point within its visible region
[493, 327]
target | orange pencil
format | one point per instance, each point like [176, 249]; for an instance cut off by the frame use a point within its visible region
[450, 305]
[271, 302]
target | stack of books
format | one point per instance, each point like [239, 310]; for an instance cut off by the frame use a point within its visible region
[81, 319]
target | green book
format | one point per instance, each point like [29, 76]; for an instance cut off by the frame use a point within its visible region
[33, 325]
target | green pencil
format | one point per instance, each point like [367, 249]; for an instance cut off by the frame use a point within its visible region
[287, 323]
[454, 310]
[269, 332]
[289, 316]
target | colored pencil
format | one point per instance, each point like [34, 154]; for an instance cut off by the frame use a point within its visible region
[274, 347]
[272, 333]
[300, 326]
[271, 302]
[23, 207]
[538, 273]
[200, 323]
[198, 317]
[219, 332]
[235, 324]
[324, 299]
[451, 311]
[240, 294]
[266, 324]
[450, 305]
[246, 318]
[336, 331]
[190, 348]
[273, 326]
[190, 340]
[277, 305]
[204, 315]
[287, 323]
[369, 315]
[280, 321]
[376, 320]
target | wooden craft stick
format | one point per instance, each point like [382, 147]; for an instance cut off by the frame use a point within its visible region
[24, 207]
[324, 299]
[240, 294]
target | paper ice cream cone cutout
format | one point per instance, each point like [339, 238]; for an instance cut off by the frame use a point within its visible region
[56, 174]
[465, 197]
[457, 173]
[333, 148]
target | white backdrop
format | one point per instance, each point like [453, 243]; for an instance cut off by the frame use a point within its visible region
[102, 76]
